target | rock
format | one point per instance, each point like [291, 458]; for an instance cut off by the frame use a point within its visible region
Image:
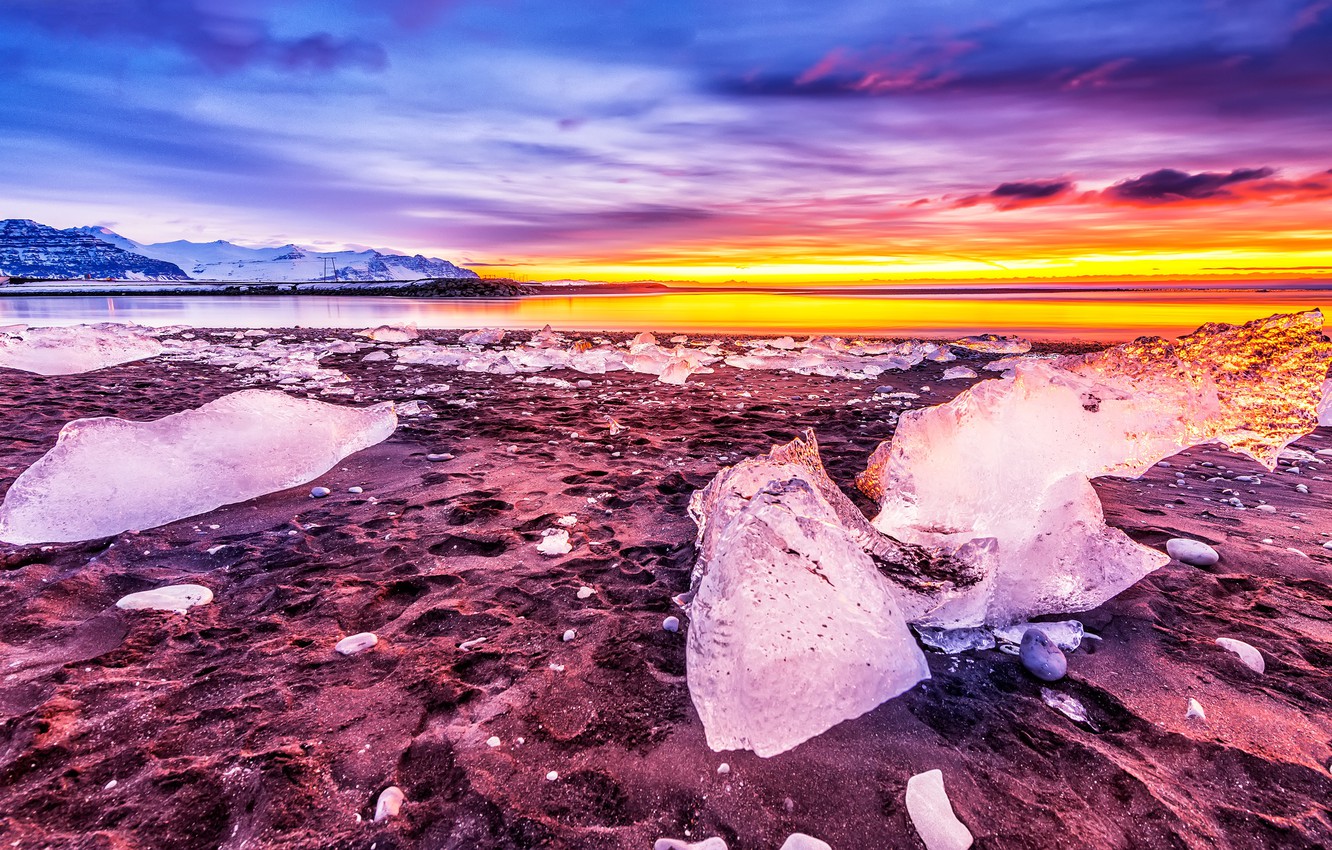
[177, 597]
[569, 635]
[353, 644]
[723, 768]
[437, 457]
[552, 776]
[493, 741]
[1252, 658]
[671, 624]
[801, 841]
[584, 384]
[585, 592]
[1041, 657]
[713, 843]
[356, 491]
[319, 492]
[932, 814]
[1191, 552]
[1195, 711]
[555, 543]
[389, 803]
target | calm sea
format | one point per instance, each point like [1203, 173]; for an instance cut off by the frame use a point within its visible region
[1046, 313]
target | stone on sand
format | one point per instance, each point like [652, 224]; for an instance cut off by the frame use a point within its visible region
[389, 803]
[1195, 710]
[1041, 657]
[178, 597]
[932, 814]
[1195, 553]
[353, 644]
[1252, 658]
[671, 624]
[713, 843]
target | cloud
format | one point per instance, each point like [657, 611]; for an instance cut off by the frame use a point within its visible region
[1166, 185]
[218, 38]
[1017, 194]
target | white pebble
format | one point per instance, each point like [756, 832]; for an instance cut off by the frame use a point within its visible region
[1195, 711]
[552, 776]
[493, 741]
[353, 644]
[570, 635]
[1192, 552]
[108, 786]
[389, 803]
[671, 624]
[723, 768]
[177, 597]
[801, 841]
[356, 490]
[319, 492]
[932, 814]
[713, 843]
[585, 592]
[1252, 658]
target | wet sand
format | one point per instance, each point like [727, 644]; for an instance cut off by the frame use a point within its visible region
[237, 725]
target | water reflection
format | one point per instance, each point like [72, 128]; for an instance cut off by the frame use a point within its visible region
[1043, 315]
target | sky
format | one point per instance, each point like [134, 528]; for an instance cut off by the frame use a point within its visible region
[684, 140]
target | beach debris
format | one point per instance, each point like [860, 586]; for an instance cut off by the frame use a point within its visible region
[75, 349]
[956, 372]
[389, 803]
[1195, 711]
[1065, 634]
[353, 644]
[932, 815]
[484, 336]
[320, 492]
[994, 344]
[177, 597]
[391, 333]
[555, 543]
[671, 624]
[999, 477]
[108, 475]
[1041, 657]
[1252, 658]
[801, 841]
[585, 592]
[1070, 707]
[569, 635]
[818, 620]
[954, 641]
[1192, 552]
[713, 843]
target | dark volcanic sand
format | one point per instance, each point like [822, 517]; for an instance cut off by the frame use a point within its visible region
[238, 726]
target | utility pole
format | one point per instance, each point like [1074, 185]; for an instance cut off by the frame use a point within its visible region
[330, 268]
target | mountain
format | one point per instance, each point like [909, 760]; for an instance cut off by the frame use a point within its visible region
[29, 249]
[224, 261]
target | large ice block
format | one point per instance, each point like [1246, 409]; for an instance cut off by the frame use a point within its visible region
[1005, 467]
[75, 349]
[109, 475]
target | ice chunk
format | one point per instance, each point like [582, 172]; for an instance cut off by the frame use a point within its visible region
[1065, 634]
[801, 841]
[958, 372]
[76, 349]
[713, 843]
[109, 475]
[1325, 405]
[793, 629]
[391, 333]
[1252, 658]
[1070, 707]
[178, 598]
[954, 641]
[932, 814]
[485, 336]
[1005, 467]
[555, 543]
[994, 344]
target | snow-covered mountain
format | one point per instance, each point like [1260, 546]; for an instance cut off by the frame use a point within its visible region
[225, 261]
[29, 249]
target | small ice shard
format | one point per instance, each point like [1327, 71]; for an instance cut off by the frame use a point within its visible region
[353, 644]
[76, 349]
[932, 814]
[485, 336]
[389, 803]
[1005, 467]
[1195, 711]
[723, 768]
[644, 338]
[108, 475]
[958, 372]
[377, 357]
[953, 641]
[615, 427]
[1066, 634]
[567, 520]
[671, 624]
[1070, 707]
[391, 333]
[555, 543]
[493, 741]
[1192, 552]
[177, 597]
[713, 843]
[1252, 658]
[792, 627]
[585, 592]
[1041, 657]
[994, 344]
[801, 841]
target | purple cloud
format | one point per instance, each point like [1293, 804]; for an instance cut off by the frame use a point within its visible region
[1167, 185]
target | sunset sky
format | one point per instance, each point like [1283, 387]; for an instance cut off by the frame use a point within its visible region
[643, 139]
